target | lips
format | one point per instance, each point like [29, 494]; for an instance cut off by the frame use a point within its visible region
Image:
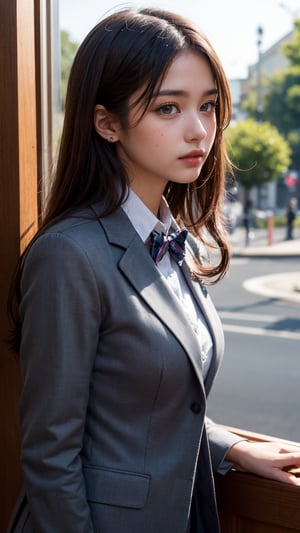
[195, 154]
[193, 159]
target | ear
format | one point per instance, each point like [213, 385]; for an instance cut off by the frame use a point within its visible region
[106, 124]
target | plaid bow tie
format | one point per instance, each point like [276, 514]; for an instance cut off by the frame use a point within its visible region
[175, 243]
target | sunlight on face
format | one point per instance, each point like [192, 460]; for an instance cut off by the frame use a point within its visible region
[172, 140]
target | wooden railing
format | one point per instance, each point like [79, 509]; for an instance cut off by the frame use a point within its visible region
[251, 504]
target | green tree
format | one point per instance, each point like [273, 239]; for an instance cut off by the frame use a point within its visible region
[281, 97]
[68, 50]
[292, 50]
[259, 152]
[282, 107]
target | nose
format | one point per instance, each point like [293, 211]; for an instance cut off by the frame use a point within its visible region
[195, 128]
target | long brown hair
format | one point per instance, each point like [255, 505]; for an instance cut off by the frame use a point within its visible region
[129, 50]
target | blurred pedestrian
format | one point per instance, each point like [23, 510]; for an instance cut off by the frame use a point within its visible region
[291, 213]
[247, 214]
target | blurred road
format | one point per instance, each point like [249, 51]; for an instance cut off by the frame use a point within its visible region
[258, 387]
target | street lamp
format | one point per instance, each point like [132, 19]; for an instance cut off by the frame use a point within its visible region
[259, 33]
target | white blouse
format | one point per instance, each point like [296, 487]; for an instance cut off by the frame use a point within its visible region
[144, 223]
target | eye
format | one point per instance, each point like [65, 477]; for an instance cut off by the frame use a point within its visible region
[208, 107]
[168, 109]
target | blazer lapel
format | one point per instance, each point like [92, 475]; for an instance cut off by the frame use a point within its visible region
[213, 322]
[140, 270]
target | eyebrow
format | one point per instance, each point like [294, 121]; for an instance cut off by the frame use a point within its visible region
[170, 92]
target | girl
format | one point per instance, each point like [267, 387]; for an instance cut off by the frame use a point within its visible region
[119, 341]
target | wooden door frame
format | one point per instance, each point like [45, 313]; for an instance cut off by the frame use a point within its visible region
[19, 59]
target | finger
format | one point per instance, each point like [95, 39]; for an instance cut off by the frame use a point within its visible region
[287, 477]
[290, 449]
[292, 469]
[287, 460]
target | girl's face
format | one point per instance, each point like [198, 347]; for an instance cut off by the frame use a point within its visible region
[173, 139]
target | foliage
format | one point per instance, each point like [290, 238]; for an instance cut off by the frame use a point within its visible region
[258, 151]
[250, 100]
[282, 100]
[293, 138]
[68, 50]
[292, 50]
[281, 97]
[249, 103]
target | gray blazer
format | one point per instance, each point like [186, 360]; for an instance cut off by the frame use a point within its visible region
[113, 406]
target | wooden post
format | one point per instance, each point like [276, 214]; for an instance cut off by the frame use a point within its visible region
[270, 228]
[18, 211]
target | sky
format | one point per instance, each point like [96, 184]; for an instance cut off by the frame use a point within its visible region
[230, 25]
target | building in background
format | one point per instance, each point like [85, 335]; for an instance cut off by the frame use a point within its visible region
[271, 196]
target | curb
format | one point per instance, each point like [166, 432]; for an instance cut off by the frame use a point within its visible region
[279, 286]
[263, 254]
[285, 249]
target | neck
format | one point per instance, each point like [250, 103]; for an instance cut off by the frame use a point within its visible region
[150, 195]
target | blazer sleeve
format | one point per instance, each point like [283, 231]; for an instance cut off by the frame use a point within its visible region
[220, 441]
[60, 312]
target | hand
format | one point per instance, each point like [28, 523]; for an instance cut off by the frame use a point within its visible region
[272, 460]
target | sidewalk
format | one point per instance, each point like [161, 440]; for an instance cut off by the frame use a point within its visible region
[263, 245]
[285, 286]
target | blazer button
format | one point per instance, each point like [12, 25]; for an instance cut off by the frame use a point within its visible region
[196, 408]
